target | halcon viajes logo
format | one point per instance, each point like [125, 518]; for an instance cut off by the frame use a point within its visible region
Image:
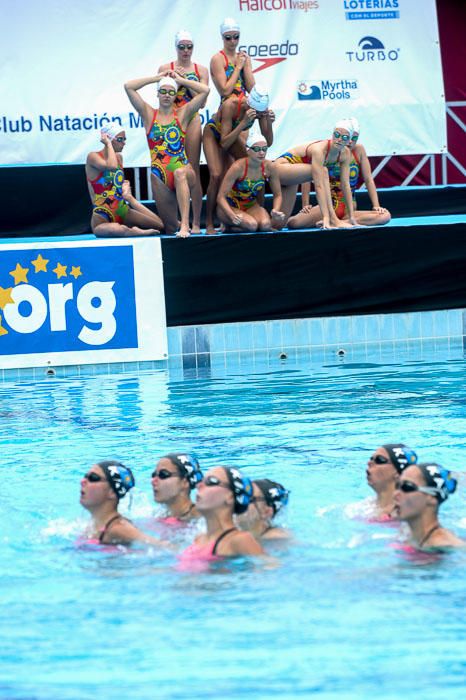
[277, 5]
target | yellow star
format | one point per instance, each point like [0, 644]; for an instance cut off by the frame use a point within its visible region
[76, 271]
[60, 270]
[19, 274]
[40, 263]
[5, 297]
[3, 331]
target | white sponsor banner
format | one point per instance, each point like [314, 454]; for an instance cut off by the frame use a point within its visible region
[81, 302]
[64, 64]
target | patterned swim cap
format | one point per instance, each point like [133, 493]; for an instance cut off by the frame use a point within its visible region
[438, 479]
[242, 489]
[120, 478]
[188, 466]
[276, 495]
[258, 98]
[401, 455]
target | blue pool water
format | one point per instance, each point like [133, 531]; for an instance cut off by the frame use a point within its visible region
[343, 616]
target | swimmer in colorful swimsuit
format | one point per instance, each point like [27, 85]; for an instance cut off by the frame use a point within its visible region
[231, 73]
[172, 176]
[192, 71]
[238, 207]
[222, 493]
[312, 161]
[383, 470]
[419, 492]
[102, 488]
[267, 500]
[174, 477]
[116, 212]
[360, 170]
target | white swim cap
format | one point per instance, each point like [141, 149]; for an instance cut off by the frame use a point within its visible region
[183, 35]
[345, 124]
[258, 98]
[167, 81]
[229, 25]
[112, 130]
[355, 125]
[255, 136]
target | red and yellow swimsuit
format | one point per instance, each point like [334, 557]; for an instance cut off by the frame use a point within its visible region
[335, 184]
[239, 87]
[243, 195]
[167, 152]
[108, 197]
[183, 95]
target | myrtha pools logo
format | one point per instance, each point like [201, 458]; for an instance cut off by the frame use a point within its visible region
[327, 89]
[67, 299]
[372, 49]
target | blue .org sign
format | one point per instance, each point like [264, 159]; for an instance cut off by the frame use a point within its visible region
[62, 299]
[371, 9]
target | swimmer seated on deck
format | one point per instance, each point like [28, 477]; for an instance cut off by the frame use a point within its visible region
[419, 492]
[104, 485]
[174, 477]
[116, 212]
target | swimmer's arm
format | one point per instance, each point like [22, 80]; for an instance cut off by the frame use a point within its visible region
[217, 71]
[265, 125]
[228, 135]
[345, 185]
[322, 186]
[232, 174]
[200, 92]
[124, 532]
[243, 543]
[107, 159]
[249, 79]
[142, 107]
[366, 172]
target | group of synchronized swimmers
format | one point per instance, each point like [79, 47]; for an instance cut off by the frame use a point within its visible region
[235, 142]
[239, 514]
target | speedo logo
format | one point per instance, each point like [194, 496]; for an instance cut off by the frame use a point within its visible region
[268, 55]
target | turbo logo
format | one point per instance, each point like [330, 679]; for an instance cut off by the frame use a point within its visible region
[270, 54]
[372, 49]
[67, 299]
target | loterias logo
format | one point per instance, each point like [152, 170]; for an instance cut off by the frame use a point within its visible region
[62, 299]
[371, 9]
[372, 49]
[327, 89]
[267, 55]
[277, 5]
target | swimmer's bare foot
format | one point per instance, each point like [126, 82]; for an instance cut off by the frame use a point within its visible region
[136, 231]
[195, 229]
[210, 230]
[183, 232]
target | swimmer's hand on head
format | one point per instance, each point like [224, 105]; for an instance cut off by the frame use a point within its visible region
[105, 138]
[248, 118]
[270, 115]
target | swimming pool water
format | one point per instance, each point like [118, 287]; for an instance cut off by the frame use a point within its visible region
[343, 616]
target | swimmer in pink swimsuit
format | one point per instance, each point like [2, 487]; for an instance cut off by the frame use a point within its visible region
[116, 212]
[383, 470]
[174, 477]
[172, 176]
[223, 492]
[102, 488]
[419, 492]
[268, 498]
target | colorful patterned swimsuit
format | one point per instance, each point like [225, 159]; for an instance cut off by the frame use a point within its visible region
[335, 184]
[239, 87]
[108, 197]
[183, 95]
[245, 191]
[307, 159]
[167, 152]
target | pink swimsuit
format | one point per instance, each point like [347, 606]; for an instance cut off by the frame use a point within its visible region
[197, 557]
